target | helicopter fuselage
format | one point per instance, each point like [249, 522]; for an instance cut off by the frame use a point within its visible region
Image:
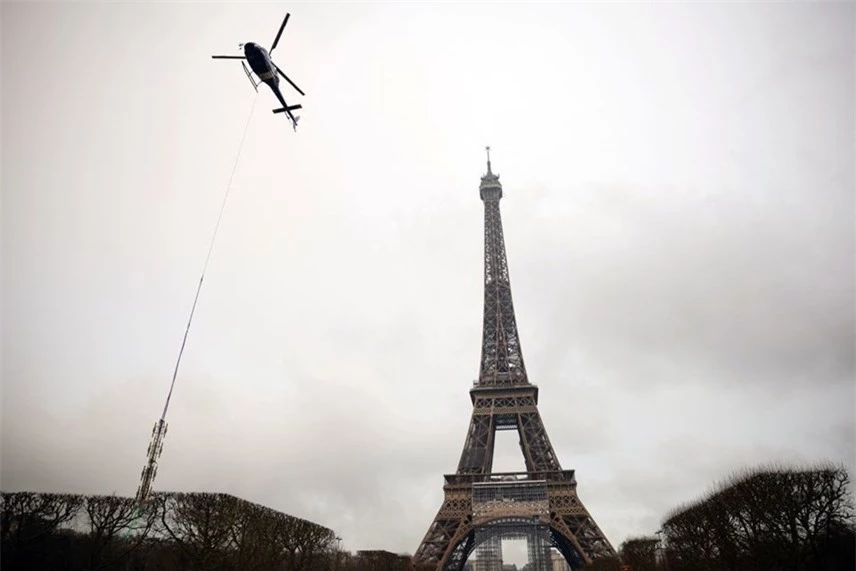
[261, 64]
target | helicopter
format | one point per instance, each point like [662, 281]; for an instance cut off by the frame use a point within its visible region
[261, 63]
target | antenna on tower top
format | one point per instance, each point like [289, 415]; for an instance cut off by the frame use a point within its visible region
[488, 159]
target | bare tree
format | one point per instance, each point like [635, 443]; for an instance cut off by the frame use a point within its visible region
[28, 520]
[117, 526]
[26, 516]
[301, 543]
[772, 519]
[217, 530]
[379, 560]
[204, 532]
[248, 547]
[640, 553]
[199, 524]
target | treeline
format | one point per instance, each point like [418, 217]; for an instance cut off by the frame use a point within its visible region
[775, 519]
[375, 561]
[187, 531]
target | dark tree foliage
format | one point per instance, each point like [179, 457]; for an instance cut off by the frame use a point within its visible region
[30, 527]
[337, 560]
[605, 564]
[789, 520]
[378, 560]
[194, 532]
[117, 526]
[420, 567]
[640, 553]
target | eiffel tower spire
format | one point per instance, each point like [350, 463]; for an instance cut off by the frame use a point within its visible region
[479, 506]
[502, 357]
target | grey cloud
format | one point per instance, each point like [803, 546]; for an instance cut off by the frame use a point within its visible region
[762, 294]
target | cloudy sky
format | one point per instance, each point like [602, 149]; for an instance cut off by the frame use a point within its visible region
[678, 211]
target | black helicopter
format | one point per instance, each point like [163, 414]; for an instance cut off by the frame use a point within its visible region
[264, 67]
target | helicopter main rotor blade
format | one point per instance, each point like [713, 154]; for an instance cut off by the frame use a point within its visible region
[279, 33]
[228, 57]
[288, 80]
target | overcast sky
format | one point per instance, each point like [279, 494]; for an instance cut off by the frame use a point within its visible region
[678, 215]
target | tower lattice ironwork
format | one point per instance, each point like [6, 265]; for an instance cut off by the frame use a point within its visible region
[481, 506]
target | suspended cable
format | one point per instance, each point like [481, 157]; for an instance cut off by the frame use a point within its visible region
[159, 431]
[208, 256]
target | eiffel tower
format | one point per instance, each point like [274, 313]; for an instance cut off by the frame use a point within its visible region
[480, 507]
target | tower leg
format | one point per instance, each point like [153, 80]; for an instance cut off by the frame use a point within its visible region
[538, 548]
[489, 553]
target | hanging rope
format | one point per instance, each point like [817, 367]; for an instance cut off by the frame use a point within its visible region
[159, 431]
[208, 257]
